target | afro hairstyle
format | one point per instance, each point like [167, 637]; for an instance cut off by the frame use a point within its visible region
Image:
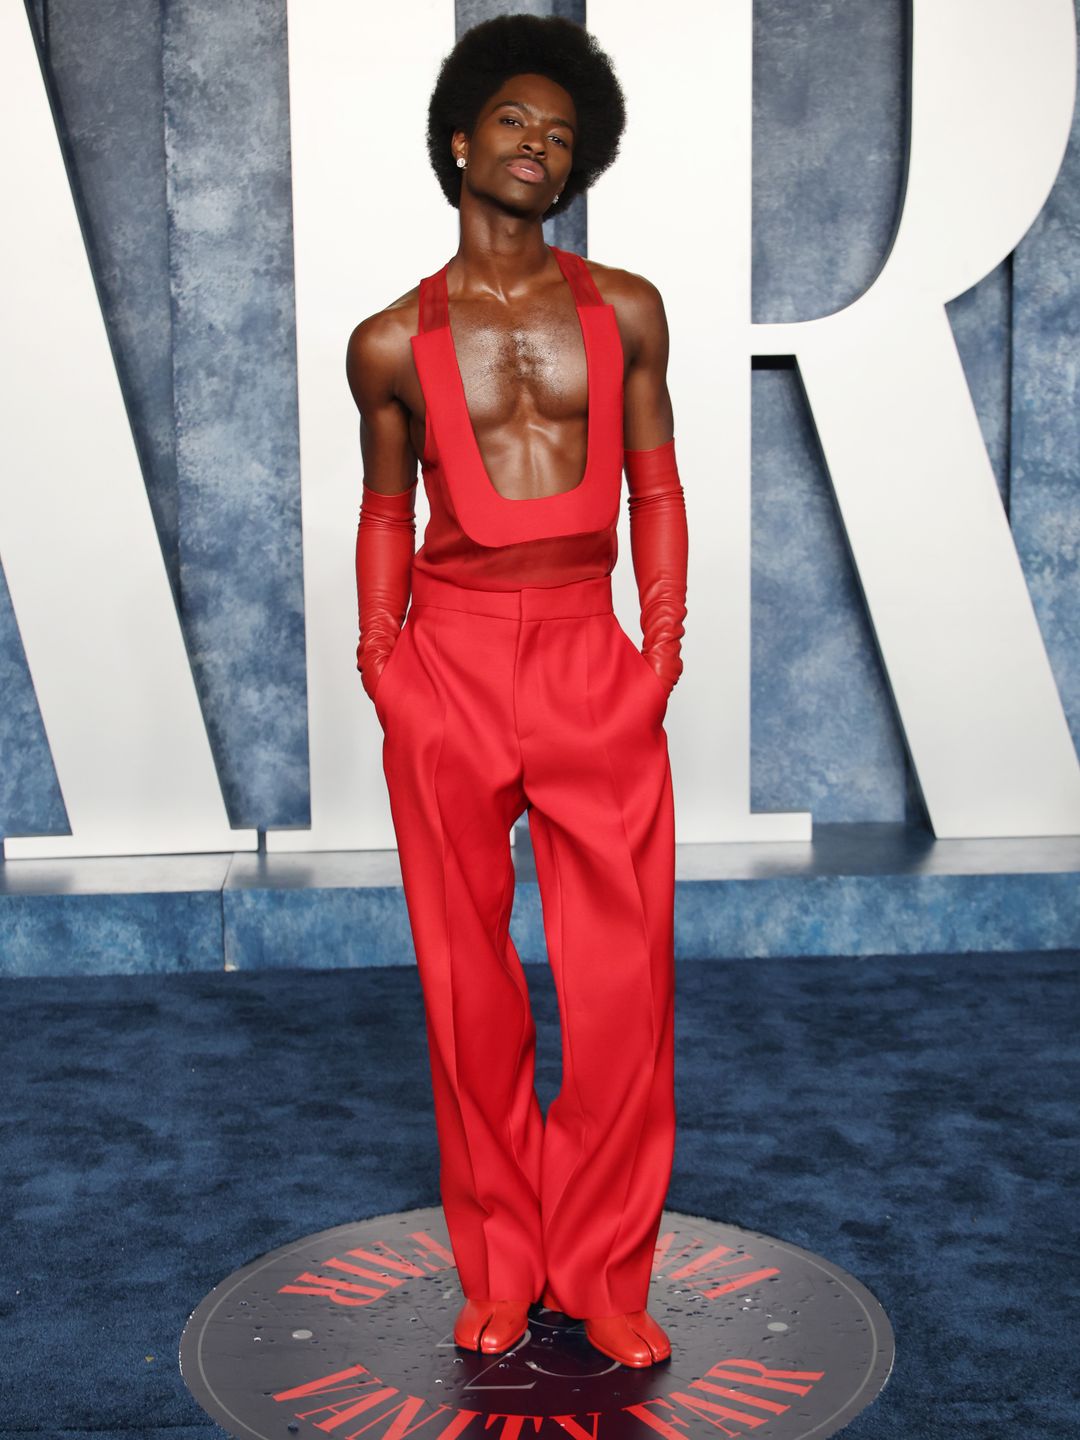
[490, 53]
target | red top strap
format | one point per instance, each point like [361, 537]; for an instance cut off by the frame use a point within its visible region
[578, 276]
[434, 305]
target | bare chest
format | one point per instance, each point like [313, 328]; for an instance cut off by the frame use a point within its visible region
[526, 366]
[524, 379]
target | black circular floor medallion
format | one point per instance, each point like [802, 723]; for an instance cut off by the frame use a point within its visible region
[349, 1333]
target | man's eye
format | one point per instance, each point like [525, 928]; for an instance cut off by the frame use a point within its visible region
[513, 120]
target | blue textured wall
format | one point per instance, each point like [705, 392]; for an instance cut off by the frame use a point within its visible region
[1045, 416]
[177, 133]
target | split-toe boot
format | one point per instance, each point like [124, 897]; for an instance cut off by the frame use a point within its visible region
[633, 1339]
[491, 1325]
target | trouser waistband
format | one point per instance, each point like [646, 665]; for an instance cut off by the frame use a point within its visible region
[530, 602]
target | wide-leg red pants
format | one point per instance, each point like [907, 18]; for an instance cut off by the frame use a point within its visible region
[493, 702]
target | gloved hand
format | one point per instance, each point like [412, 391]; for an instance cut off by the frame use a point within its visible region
[658, 547]
[385, 542]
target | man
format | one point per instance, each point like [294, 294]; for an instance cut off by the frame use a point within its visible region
[511, 687]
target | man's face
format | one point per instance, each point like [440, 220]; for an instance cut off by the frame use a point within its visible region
[522, 148]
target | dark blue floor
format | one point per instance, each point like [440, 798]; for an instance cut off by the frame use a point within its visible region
[913, 1119]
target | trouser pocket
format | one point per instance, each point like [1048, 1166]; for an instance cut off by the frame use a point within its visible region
[387, 675]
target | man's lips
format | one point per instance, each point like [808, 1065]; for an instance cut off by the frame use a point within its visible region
[527, 170]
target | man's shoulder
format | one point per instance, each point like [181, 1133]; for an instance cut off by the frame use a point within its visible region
[385, 328]
[617, 285]
[378, 345]
[382, 338]
[638, 303]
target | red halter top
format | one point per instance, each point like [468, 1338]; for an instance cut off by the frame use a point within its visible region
[480, 538]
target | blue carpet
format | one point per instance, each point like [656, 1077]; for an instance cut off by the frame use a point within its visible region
[913, 1119]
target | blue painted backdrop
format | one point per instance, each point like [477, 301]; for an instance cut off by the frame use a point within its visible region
[175, 121]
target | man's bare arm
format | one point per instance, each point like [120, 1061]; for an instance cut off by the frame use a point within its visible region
[372, 364]
[386, 531]
[648, 420]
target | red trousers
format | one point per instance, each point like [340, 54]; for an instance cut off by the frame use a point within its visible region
[493, 702]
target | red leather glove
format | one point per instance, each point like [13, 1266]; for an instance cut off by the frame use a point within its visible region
[658, 547]
[385, 542]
